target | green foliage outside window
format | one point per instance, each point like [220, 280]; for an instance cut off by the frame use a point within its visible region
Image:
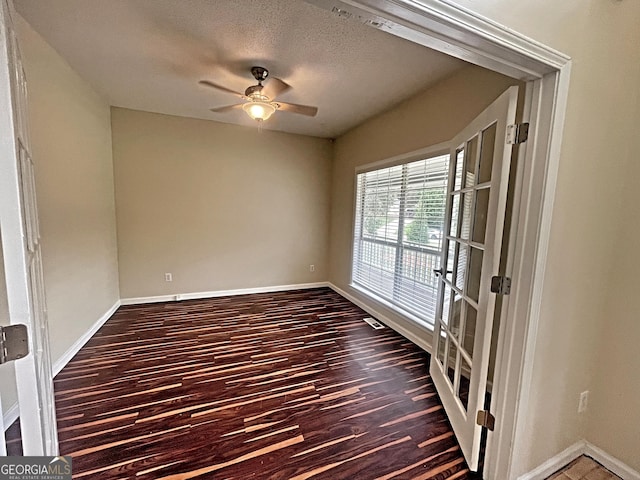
[429, 215]
[375, 211]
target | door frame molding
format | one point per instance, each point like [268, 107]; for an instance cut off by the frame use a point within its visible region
[441, 25]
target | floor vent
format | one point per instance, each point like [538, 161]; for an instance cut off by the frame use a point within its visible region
[374, 323]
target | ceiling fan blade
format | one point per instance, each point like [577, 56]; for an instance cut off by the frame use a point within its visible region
[226, 108]
[219, 87]
[274, 87]
[300, 109]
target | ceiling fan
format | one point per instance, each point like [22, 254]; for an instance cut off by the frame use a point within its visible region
[259, 99]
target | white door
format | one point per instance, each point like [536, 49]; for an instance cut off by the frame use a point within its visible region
[476, 204]
[21, 248]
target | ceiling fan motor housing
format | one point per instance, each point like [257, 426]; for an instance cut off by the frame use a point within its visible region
[259, 73]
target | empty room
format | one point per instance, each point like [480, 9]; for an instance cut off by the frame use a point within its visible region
[319, 239]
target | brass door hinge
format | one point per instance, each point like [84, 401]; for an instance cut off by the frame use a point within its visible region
[501, 285]
[517, 133]
[486, 420]
[14, 342]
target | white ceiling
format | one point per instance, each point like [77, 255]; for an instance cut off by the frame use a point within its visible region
[150, 54]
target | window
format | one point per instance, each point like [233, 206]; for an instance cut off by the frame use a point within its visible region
[399, 229]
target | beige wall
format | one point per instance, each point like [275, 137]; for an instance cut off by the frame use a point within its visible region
[589, 327]
[71, 148]
[614, 421]
[429, 118]
[217, 205]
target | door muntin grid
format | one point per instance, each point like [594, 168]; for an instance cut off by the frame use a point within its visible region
[461, 296]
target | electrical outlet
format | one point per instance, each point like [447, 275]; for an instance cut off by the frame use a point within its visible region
[312, 268]
[168, 277]
[584, 402]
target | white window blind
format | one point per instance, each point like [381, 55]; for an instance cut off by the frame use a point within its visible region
[399, 229]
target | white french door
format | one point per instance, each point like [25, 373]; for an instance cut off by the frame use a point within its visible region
[22, 252]
[474, 222]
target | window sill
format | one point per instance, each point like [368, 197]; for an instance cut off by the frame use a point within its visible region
[396, 309]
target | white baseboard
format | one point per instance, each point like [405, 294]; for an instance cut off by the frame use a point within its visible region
[12, 414]
[618, 467]
[555, 463]
[220, 293]
[421, 342]
[567, 456]
[75, 348]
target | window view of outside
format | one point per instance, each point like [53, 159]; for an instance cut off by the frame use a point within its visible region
[399, 233]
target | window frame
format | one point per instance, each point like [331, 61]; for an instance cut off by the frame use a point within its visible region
[443, 148]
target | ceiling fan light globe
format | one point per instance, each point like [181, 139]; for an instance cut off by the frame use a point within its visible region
[259, 110]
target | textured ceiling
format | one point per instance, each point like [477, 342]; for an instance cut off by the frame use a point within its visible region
[150, 54]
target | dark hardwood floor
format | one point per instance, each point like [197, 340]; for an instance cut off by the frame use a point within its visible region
[290, 385]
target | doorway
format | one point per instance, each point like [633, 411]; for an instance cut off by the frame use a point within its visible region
[545, 82]
[545, 72]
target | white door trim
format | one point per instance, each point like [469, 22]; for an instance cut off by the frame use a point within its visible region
[526, 263]
[451, 29]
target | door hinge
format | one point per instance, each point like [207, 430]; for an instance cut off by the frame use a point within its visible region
[517, 133]
[14, 343]
[501, 285]
[486, 420]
